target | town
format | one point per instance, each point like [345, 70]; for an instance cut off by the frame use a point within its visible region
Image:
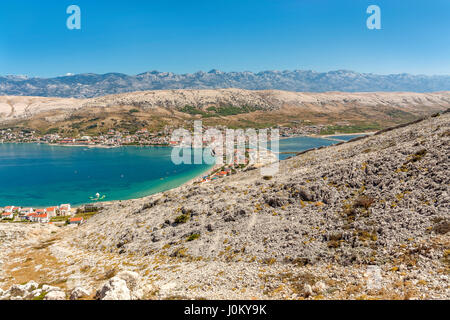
[63, 214]
[116, 138]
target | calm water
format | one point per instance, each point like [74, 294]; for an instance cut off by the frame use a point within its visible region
[299, 144]
[347, 137]
[42, 175]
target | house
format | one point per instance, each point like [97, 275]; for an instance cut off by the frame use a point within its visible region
[78, 221]
[7, 215]
[36, 217]
[8, 209]
[40, 211]
[25, 211]
[31, 216]
[65, 210]
[42, 218]
[16, 209]
[52, 211]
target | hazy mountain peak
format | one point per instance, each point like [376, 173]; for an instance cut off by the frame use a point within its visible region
[93, 85]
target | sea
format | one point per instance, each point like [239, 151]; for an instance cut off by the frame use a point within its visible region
[41, 175]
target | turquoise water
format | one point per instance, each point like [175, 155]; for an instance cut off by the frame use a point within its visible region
[298, 144]
[42, 175]
[347, 137]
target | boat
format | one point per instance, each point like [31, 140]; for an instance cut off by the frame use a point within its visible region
[98, 197]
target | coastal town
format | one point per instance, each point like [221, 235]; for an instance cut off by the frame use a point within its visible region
[116, 138]
[63, 213]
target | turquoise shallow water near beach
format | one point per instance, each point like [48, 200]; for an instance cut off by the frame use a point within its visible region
[42, 175]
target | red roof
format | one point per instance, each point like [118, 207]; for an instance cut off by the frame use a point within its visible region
[6, 214]
[76, 219]
[41, 216]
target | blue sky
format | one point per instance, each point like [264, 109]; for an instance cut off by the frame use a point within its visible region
[184, 36]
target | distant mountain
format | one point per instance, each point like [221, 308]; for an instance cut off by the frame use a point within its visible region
[94, 85]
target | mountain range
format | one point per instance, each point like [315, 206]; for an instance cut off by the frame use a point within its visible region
[94, 85]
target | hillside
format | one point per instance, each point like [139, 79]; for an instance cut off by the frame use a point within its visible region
[95, 85]
[231, 107]
[364, 219]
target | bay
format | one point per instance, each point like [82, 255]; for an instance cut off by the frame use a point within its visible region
[41, 175]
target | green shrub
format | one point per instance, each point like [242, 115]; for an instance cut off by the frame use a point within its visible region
[41, 296]
[193, 237]
[182, 218]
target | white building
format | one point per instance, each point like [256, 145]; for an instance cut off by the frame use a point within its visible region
[65, 210]
[7, 215]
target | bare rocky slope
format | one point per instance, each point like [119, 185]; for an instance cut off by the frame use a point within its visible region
[153, 108]
[350, 204]
[364, 219]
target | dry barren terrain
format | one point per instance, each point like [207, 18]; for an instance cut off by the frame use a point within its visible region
[231, 107]
[367, 219]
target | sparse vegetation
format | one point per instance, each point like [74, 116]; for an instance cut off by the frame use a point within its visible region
[182, 219]
[41, 296]
[363, 202]
[193, 237]
[355, 128]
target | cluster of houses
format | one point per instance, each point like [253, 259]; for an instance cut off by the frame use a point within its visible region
[140, 137]
[35, 215]
[111, 138]
[299, 130]
[216, 175]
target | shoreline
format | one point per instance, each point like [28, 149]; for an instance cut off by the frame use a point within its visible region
[187, 183]
[349, 134]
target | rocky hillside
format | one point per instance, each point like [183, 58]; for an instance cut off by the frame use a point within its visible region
[364, 219]
[350, 204]
[94, 85]
[232, 107]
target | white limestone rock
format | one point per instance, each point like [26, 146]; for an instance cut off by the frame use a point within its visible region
[55, 295]
[48, 288]
[79, 292]
[115, 289]
[18, 290]
[31, 286]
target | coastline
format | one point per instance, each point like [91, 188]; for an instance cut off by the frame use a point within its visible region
[187, 183]
[346, 134]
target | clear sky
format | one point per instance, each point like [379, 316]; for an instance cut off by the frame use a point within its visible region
[184, 36]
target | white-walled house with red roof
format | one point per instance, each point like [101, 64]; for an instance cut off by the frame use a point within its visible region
[52, 211]
[8, 209]
[31, 216]
[65, 209]
[36, 217]
[7, 215]
[78, 220]
[25, 211]
[43, 218]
